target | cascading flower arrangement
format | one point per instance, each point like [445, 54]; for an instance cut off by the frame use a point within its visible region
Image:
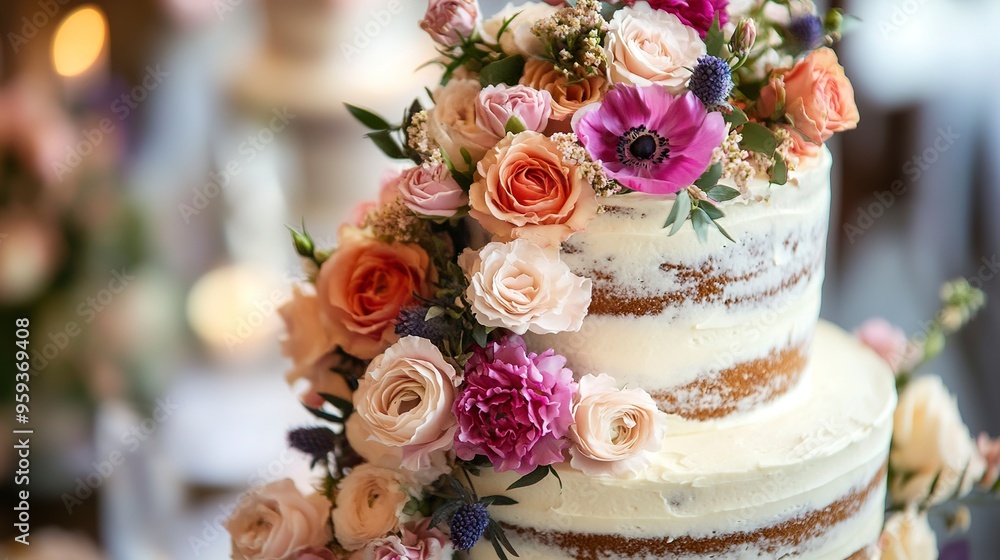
[407, 340]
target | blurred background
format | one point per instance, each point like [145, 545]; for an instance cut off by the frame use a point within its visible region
[152, 152]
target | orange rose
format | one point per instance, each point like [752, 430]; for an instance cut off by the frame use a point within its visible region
[819, 99]
[362, 287]
[525, 189]
[566, 97]
[800, 147]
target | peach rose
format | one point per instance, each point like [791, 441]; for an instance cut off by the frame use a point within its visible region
[931, 446]
[369, 504]
[452, 122]
[647, 46]
[566, 97]
[525, 189]
[523, 287]
[614, 430]
[430, 190]
[819, 99]
[799, 147]
[908, 536]
[405, 399]
[276, 521]
[308, 336]
[364, 284]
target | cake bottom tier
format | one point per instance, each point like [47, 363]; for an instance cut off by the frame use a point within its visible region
[802, 480]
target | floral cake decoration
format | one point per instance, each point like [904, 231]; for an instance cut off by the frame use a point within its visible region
[407, 340]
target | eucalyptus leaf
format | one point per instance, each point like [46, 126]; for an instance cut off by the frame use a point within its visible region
[672, 217]
[736, 118]
[434, 313]
[722, 230]
[504, 71]
[701, 222]
[367, 118]
[757, 138]
[779, 172]
[710, 177]
[715, 41]
[385, 142]
[722, 193]
[683, 203]
[534, 477]
[713, 211]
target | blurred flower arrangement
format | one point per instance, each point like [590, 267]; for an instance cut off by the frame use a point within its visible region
[934, 462]
[407, 340]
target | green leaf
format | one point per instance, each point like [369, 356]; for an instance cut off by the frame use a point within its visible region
[497, 500]
[445, 512]
[701, 222]
[534, 477]
[385, 142]
[672, 217]
[368, 118]
[506, 23]
[556, 474]
[722, 230]
[722, 193]
[710, 177]
[715, 41]
[713, 211]
[514, 125]
[504, 71]
[466, 156]
[779, 172]
[757, 138]
[497, 532]
[346, 407]
[411, 507]
[684, 203]
[434, 313]
[326, 415]
[736, 118]
[497, 547]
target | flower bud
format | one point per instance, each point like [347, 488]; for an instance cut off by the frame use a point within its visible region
[743, 37]
[303, 242]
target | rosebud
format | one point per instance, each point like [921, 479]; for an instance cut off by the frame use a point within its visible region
[304, 245]
[834, 21]
[743, 38]
[448, 22]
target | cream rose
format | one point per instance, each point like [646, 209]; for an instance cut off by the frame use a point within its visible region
[369, 505]
[360, 437]
[614, 430]
[930, 441]
[276, 521]
[405, 400]
[518, 37]
[452, 122]
[908, 536]
[525, 189]
[647, 46]
[523, 287]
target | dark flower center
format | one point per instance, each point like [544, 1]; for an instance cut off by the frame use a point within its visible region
[640, 147]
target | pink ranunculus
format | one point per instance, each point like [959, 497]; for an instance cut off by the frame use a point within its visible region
[697, 14]
[364, 284]
[448, 22]
[497, 104]
[650, 140]
[989, 450]
[515, 408]
[819, 99]
[417, 541]
[430, 190]
[887, 340]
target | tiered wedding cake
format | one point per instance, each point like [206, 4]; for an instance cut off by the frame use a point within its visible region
[780, 428]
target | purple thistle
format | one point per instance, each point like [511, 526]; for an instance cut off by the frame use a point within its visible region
[712, 81]
[468, 525]
[806, 32]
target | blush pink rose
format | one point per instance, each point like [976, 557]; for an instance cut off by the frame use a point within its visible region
[498, 104]
[417, 541]
[430, 190]
[315, 554]
[819, 99]
[364, 284]
[449, 21]
[887, 340]
[276, 521]
[525, 189]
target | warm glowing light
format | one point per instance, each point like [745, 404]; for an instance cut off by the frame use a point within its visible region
[232, 308]
[79, 41]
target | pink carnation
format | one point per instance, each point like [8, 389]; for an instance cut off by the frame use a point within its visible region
[887, 340]
[515, 407]
[418, 541]
[696, 14]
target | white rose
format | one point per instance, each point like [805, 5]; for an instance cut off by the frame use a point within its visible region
[405, 400]
[647, 46]
[908, 536]
[369, 505]
[381, 455]
[929, 442]
[614, 430]
[276, 521]
[452, 122]
[518, 37]
[523, 287]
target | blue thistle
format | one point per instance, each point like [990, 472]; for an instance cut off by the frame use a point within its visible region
[411, 322]
[317, 442]
[806, 32]
[712, 81]
[468, 525]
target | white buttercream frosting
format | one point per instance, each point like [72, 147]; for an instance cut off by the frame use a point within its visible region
[828, 441]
